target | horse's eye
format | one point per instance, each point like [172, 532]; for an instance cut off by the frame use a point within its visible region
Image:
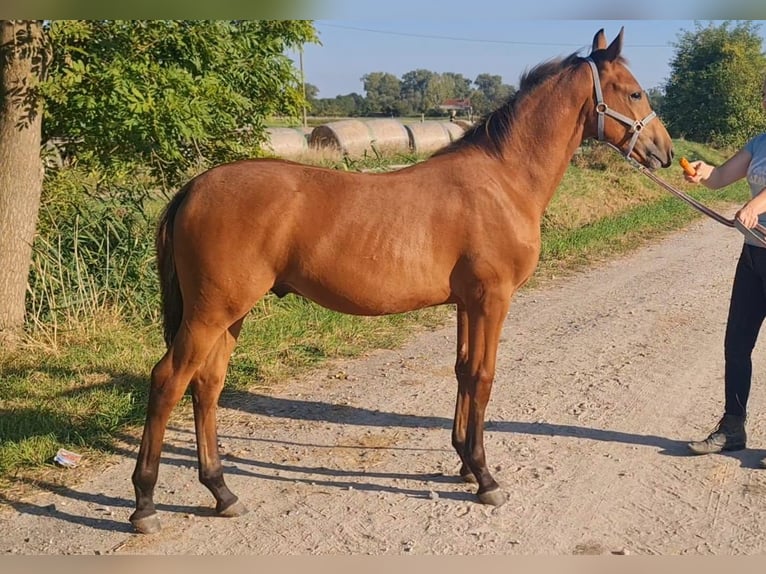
[636, 96]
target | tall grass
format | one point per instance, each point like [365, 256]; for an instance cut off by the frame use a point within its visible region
[93, 255]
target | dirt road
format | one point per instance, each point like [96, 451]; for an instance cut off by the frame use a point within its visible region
[602, 378]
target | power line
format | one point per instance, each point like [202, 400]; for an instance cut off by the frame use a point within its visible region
[477, 40]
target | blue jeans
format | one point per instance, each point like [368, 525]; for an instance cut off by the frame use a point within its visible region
[747, 310]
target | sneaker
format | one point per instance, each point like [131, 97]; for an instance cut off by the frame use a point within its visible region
[728, 435]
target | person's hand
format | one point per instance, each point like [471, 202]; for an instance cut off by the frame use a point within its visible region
[748, 216]
[702, 171]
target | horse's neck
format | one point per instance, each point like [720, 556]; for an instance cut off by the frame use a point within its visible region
[544, 137]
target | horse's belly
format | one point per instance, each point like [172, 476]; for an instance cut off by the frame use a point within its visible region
[366, 297]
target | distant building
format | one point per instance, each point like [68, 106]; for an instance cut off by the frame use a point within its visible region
[455, 105]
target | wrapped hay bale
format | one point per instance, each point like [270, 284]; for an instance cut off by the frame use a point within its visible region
[355, 137]
[348, 136]
[286, 142]
[429, 136]
[455, 129]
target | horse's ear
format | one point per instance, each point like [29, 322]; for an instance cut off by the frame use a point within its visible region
[599, 41]
[615, 48]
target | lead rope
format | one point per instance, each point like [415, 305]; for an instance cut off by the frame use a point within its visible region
[756, 234]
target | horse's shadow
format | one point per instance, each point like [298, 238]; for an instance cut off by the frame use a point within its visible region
[296, 409]
[268, 406]
[103, 502]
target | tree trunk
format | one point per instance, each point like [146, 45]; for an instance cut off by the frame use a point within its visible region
[22, 66]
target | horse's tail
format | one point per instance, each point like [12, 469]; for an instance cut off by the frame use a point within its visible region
[172, 301]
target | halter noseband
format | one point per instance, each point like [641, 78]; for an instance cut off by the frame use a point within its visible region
[602, 109]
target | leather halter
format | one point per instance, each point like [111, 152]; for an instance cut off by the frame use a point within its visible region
[635, 126]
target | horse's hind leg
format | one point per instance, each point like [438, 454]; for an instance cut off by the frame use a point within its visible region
[170, 377]
[206, 388]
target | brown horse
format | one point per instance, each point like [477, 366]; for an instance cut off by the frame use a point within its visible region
[461, 228]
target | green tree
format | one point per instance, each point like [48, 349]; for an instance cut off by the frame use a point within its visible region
[656, 99]
[422, 91]
[415, 89]
[459, 85]
[383, 92]
[438, 89]
[490, 93]
[312, 92]
[713, 94]
[172, 95]
[349, 105]
[441, 87]
[168, 94]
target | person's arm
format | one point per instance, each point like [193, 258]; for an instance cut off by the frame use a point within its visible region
[749, 213]
[733, 169]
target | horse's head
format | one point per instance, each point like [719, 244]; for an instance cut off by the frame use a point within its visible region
[622, 115]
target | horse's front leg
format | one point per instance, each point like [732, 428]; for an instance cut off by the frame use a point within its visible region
[463, 375]
[485, 322]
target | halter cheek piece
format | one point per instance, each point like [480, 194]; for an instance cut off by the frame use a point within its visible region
[602, 109]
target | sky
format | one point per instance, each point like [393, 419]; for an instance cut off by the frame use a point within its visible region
[506, 47]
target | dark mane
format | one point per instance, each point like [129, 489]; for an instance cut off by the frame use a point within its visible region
[490, 131]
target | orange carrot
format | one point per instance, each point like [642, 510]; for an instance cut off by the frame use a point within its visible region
[687, 167]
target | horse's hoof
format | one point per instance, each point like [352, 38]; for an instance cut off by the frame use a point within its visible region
[494, 497]
[147, 525]
[234, 509]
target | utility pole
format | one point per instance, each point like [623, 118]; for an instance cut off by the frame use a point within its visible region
[303, 86]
